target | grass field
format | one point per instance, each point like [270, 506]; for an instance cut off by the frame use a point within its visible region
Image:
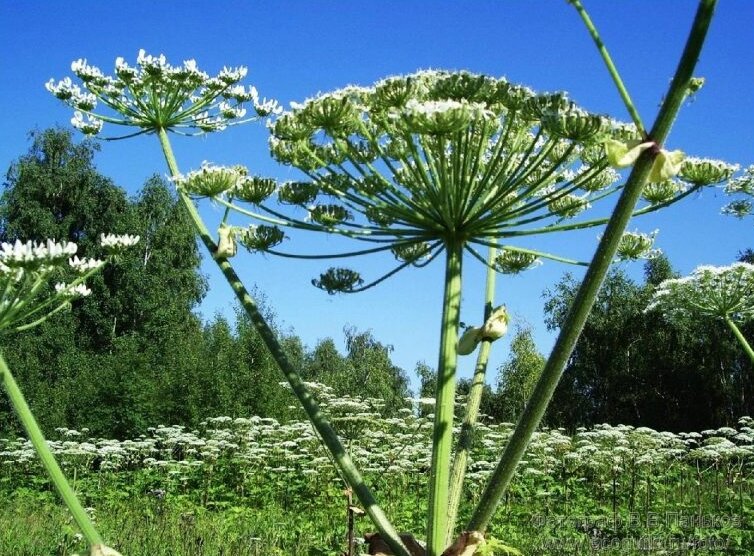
[258, 487]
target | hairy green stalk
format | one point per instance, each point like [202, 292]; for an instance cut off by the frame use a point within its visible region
[739, 335]
[48, 459]
[345, 465]
[595, 275]
[442, 432]
[612, 70]
[466, 436]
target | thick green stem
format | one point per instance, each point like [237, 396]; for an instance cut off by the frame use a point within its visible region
[466, 436]
[741, 338]
[442, 433]
[582, 303]
[48, 460]
[329, 437]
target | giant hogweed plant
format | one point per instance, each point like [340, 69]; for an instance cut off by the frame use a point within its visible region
[27, 299]
[434, 163]
[723, 293]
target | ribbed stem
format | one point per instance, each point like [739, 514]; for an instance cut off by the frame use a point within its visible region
[48, 460]
[612, 70]
[584, 299]
[740, 337]
[442, 433]
[329, 437]
[466, 437]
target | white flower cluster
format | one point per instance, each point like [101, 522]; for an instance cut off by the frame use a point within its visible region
[32, 255]
[742, 185]
[706, 171]
[70, 291]
[154, 95]
[395, 448]
[25, 267]
[637, 245]
[86, 124]
[116, 244]
[82, 266]
[440, 117]
[717, 292]
[73, 95]
[211, 180]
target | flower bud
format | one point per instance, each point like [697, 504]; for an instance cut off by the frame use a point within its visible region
[297, 193]
[568, 206]
[496, 325]
[635, 245]
[469, 340]
[660, 192]
[329, 215]
[513, 262]
[410, 252]
[336, 116]
[261, 238]
[666, 165]
[226, 245]
[254, 189]
[623, 154]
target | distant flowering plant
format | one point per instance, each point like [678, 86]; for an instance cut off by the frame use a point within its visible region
[27, 270]
[711, 291]
[155, 95]
[718, 292]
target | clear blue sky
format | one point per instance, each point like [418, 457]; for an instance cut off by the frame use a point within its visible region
[295, 49]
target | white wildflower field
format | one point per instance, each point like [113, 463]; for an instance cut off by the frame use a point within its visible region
[572, 492]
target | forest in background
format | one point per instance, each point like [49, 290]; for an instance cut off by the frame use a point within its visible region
[135, 354]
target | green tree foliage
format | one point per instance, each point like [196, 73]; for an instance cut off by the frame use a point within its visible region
[517, 376]
[104, 365]
[636, 368]
[134, 354]
[374, 373]
[365, 370]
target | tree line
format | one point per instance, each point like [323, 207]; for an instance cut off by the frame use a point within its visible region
[135, 353]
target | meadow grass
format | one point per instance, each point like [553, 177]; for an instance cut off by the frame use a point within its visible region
[255, 486]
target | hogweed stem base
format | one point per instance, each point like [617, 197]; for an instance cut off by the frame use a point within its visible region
[442, 433]
[466, 436]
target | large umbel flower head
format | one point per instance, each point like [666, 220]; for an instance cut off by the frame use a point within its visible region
[154, 95]
[416, 163]
[725, 293]
[720, 292]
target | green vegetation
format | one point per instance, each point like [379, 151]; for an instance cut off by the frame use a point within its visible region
[636, 367]
[418, 165]
[259, 487]
[235, 499]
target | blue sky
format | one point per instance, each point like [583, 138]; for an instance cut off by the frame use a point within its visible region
[295, 49]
